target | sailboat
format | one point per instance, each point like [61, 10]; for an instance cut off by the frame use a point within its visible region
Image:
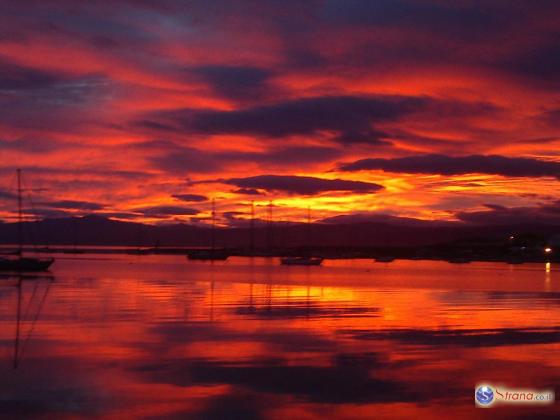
[140, 250]
[18, 262]
[212, 254]
[384, 258]
[303, 259]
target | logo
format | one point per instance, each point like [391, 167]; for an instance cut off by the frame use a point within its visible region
[487, 395]
[484, 395]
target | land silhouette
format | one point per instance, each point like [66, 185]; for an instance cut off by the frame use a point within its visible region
[396, 237]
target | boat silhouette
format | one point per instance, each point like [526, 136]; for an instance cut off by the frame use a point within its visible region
[208, 254]
[18, 262]
[25, 264]
[384, 259]
[212, 254]
[301, 260]
[459, 260]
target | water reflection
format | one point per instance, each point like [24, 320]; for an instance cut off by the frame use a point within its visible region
[158, 336]
[31, 294]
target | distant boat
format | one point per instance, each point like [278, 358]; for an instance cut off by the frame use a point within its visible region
[459, 260]
[208, 254]
[73, 251]
[25, 264]
[515, 260]
[19, 262]
[385, 259]
[139, 251]
[212, 254]
[301, 261]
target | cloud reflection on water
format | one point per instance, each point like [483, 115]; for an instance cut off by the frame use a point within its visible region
[156, 337]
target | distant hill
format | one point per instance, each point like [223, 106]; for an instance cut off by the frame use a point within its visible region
[95, 230]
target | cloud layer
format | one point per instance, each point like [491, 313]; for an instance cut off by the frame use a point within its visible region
[457, 165]
[138, 105]
[302, 184]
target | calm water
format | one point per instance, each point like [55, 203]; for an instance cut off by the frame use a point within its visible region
[162, 337]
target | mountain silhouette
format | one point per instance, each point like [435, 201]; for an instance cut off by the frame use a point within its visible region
[96, 230]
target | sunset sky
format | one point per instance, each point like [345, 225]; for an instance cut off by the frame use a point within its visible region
[147, 110]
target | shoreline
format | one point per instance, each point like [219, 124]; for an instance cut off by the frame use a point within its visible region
[419, 254]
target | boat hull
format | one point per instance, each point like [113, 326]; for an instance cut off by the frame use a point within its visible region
[301, 261]
[25, 264]
[384, 259]
[459, 260]
[208, 255]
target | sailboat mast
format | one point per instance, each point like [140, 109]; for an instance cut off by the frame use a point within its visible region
[252, 245]
[213, 224]
[20, 214]
[308, 226]
[269, 227]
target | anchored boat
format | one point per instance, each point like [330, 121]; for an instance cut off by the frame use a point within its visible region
[301, 261]
[212, 254]
[18, 262]
[304, 259]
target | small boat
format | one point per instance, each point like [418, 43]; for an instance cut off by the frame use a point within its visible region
[208, 255]
[301, 261]
[212, 254]
[139, 251]
[385, 259]
[19, 262]
[25, 264]
[459, 260]
[73, 251]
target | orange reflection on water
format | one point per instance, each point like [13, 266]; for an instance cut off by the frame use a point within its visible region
[128, 336]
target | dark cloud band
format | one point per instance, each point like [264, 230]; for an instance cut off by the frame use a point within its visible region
[304, 185]
[457, 165]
